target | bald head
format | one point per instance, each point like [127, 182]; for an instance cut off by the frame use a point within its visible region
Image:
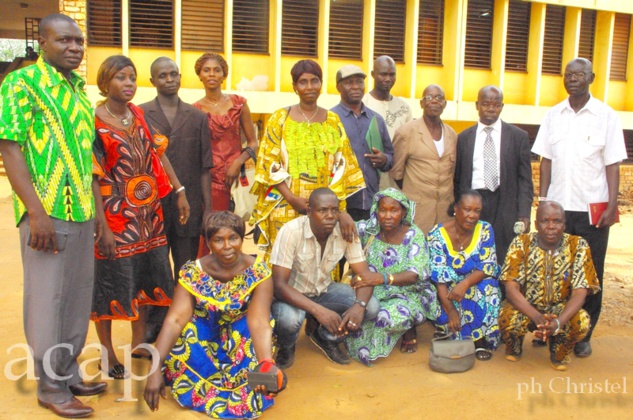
[550, 224]
[490, 91]
[550, 205]
[384, 60]
[582, 62]
[156, 64]
[489, 104]
[165, 77]
[384, 74]
[49, 21]
[430, 89]
[577, 78]
[318, 193]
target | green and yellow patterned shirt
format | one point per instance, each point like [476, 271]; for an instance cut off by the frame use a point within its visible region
[53, 122]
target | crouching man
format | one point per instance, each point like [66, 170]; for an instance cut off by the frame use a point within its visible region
[305, 252]
[547, 275]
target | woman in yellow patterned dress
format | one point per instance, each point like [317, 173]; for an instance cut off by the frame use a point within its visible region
[304, 148]
[218, 329]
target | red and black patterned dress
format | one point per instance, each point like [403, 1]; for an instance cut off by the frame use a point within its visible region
[125, 163]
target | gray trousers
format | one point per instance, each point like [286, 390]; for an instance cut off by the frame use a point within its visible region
[57, 303]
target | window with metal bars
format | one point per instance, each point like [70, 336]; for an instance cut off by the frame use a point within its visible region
[104, 23]
[152, 23]
[250, 26]
[479, 33]
[517, 35]
[620, 51]
[299, 27]
[389, 30]
[587, 34]
[553, 41]
[430, 32]
[346, 30]
[203, 25]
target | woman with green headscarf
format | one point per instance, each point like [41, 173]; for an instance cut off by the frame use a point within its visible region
[396, 248]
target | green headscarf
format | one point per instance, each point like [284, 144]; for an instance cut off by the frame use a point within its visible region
[373, 227]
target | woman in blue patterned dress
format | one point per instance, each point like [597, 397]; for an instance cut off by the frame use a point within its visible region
[396, 248]
[464, 267]
[218, 329]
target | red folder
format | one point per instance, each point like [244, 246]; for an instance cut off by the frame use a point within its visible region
[595, 211]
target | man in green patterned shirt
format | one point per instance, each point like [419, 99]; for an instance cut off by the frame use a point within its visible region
[46, 135]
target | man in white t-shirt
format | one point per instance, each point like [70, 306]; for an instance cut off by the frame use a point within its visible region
[394, 110]
[582, 144]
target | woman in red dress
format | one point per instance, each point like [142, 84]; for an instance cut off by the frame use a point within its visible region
[132, 260]
[228, 117]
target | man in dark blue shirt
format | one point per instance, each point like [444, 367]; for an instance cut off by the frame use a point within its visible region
[357, 120]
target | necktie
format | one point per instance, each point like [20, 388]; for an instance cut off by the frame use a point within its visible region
[491, 177]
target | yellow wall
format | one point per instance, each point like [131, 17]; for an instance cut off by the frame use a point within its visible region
[617, 94]
[473, 81]
[249, 65]
[437, 75]
[550, 90]
[529, 94]
[142, 59]
[189, 78]
[94, 57]
[514, 87]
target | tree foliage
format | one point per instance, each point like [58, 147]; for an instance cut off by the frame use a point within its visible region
[11, 48]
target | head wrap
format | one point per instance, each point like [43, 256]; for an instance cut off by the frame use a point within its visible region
[373, 227]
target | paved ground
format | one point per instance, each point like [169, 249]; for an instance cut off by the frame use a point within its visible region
[399, 387]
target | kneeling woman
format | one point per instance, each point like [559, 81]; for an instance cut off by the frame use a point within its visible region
[464, 267]
[218, 329]
[396, 248]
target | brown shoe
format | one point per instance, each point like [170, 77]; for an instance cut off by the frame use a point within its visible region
[83, 389]
[72, 409]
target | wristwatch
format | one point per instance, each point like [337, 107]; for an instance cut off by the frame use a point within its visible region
[361, 303]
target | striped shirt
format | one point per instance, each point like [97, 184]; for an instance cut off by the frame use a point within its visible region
[53, 122]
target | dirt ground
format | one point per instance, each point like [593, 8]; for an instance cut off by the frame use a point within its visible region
[398, 387]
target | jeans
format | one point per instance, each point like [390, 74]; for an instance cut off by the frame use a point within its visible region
[338, 298]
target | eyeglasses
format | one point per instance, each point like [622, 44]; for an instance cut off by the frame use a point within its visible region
[430, 98]
[580, 75]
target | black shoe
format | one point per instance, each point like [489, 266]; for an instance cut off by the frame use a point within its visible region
[331, 350]
[285, 357]
[311, 325]
[582, 349]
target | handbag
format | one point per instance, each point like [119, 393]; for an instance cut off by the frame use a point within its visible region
[242, 201]
[451, 356]
[347, 276]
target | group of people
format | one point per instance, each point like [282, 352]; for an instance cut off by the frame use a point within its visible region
[104, 195]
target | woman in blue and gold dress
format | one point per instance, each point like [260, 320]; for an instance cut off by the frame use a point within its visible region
[218, 329]
[464, 268]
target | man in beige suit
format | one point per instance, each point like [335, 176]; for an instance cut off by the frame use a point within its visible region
[424, 160]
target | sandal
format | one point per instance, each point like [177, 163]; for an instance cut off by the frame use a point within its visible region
[410, 346]
[483, 354]
[142, 356]
[439, 334]
[117, 372]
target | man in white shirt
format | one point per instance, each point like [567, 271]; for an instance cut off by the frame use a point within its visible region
[493, 157]
[305, 252]
[394, 110]
[582, 144]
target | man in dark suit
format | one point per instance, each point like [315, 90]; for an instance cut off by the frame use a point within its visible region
[493, 157]
[189, 152]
